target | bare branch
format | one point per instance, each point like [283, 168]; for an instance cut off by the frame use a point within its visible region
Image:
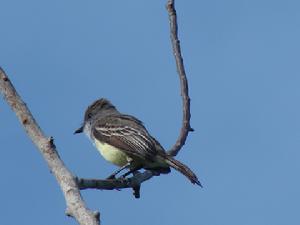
[133, 182]
[75, 204]
[111, 184]
[183, 80]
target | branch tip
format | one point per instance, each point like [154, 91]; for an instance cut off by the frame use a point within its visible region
[170, 7]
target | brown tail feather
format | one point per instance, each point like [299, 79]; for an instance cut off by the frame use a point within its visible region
[183, 169]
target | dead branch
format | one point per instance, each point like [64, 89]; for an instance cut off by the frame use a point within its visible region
[133, 182]
[75, 204]
[186, 127]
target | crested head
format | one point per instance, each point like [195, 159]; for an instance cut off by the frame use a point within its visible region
[97, 107]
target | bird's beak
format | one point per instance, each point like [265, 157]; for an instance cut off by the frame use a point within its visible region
[79, 130]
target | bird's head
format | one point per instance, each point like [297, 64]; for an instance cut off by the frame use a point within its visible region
[97, 108]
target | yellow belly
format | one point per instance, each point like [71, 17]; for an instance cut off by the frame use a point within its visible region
[112, 154]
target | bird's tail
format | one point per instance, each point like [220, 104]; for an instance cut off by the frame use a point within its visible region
[183, 169]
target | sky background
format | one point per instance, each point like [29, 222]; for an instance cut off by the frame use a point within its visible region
[242, 63]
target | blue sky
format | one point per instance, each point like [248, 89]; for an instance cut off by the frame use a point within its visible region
[242, 63]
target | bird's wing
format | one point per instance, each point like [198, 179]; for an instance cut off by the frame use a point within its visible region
[127, 134]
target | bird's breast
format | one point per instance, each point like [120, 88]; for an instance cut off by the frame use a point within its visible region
[111, 153]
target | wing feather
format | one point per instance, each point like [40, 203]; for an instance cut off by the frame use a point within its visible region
[127, 134]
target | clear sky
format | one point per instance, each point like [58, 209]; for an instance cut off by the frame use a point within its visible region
[242, 63]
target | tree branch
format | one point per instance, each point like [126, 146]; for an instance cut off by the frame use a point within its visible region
[75, 204]
[186, 127]
[133, 182]
[68, 183]
[111, 184]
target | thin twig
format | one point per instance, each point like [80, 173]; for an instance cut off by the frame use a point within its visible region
[186, 127]
[75, 204]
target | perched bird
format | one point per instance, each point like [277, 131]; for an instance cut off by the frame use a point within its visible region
[124, 141]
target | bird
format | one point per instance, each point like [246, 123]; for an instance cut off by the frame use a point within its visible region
[124, 141]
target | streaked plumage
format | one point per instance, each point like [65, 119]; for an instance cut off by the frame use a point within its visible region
[123, 139]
